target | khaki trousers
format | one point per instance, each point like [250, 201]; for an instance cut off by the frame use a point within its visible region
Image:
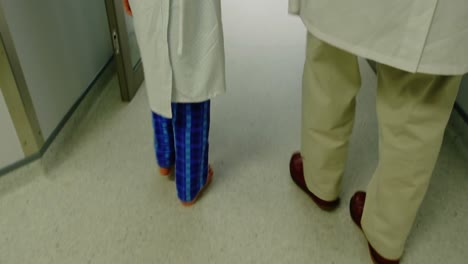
[413, 112]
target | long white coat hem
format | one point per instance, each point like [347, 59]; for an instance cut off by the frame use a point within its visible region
[182, 49]
[402, 64]
[424, 36]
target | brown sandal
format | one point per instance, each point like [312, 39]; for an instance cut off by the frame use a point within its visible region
[165, 171]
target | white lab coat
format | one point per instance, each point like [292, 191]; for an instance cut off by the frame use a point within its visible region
[426, 36]
[182, 48]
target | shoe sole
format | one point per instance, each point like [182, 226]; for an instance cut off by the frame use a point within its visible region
[306, 191]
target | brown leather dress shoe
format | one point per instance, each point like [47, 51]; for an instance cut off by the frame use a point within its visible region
[356, 208]
[297, 174]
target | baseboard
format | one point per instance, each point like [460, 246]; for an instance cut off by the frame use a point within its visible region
[19, 164]
[459, 130]
[96, 83]
[52, 152]
[461, 112]
[73, 115]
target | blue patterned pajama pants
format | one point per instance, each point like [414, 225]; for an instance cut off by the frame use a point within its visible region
[183, 142]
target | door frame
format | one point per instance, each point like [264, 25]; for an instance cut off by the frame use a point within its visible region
[130, 77]
[17, 95]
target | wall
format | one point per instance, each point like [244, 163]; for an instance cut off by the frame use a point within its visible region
[10, 148]
[61, 45]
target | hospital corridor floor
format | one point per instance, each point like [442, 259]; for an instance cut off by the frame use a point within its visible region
[102, 201]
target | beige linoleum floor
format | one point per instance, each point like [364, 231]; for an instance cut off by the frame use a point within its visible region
[102, 201]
